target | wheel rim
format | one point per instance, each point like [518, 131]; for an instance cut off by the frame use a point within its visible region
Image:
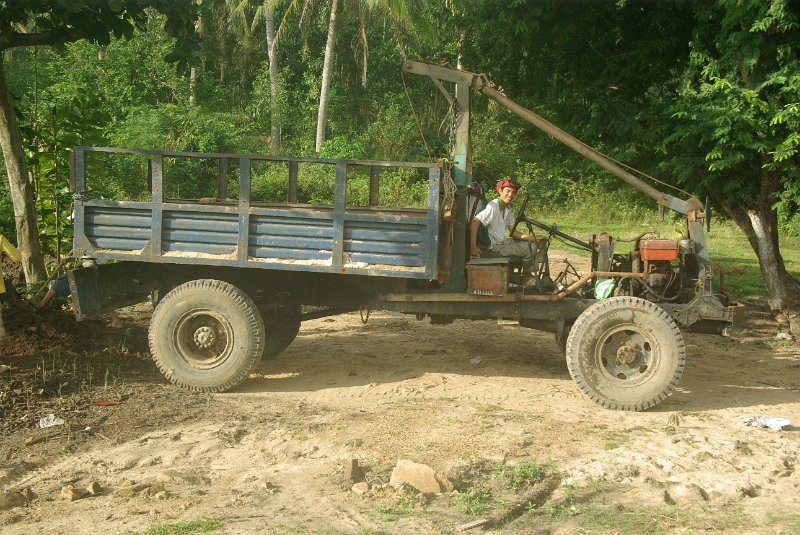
[204, 338]
[626, 354]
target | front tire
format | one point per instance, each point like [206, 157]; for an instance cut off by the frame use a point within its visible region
[626, 353]
[206, 335]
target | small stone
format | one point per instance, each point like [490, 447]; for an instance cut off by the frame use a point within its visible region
[524, 442]
[269, 486]
[704, 456]
[685, 494]
[748, 490]
[69, 492]
[423, 478]
[94, 488]
[155, 489]
[361, 488]
[163, 495]
[169, 476]
[354, 443]
[9, 500]
[129, 491]
[353, 472]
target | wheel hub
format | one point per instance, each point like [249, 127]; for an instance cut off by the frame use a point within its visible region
[626, 354]
[205, 337]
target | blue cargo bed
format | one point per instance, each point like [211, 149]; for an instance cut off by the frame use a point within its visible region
[339, 238]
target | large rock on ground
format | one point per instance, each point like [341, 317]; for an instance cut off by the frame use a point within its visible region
[422, 477]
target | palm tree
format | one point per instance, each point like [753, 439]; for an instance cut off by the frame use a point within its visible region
[397, 10]
[326, 77]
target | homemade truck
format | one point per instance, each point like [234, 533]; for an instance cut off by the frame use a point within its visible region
[232, 277]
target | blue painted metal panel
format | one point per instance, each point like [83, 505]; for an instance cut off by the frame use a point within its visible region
[121, 244]
[283, 253]
[114, 232]
[196, 247]
[290, 242]
[156, 167]
[389, 233]
[386, 247]
[181, 236]
[387, 260]
[116, 228]
[377, 241]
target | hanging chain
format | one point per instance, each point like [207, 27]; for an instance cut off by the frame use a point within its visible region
[448, 187]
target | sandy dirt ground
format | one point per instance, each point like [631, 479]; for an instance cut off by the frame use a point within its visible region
[490, 406]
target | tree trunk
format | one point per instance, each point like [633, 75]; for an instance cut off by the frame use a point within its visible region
[192, 84]
[269, 22]
[759, 223]
[326, 78]
[19, 186]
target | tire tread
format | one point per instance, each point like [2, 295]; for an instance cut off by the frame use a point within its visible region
[589, 316]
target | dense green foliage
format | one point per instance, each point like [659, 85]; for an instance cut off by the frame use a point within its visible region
[706, 95]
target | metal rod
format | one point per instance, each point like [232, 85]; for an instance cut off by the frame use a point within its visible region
[581, 148]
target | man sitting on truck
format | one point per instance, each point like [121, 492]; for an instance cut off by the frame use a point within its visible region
[497, 216]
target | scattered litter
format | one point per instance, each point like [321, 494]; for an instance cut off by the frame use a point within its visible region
[106, 403]
[51, 420]
[784, 336]
[475, 360]
[776, 424]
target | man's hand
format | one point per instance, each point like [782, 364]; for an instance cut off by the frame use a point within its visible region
[474, 225]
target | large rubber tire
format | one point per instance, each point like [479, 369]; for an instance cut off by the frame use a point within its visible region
[206, 335]
[281, 330]
[626, 353]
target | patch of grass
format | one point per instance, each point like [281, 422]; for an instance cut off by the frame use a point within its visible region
[624, 520]
[782, 517]
[565, 508]
[619, 437]
[473, 502]
[184, 528]
[597, 483]
[408, 502]
[524, 474]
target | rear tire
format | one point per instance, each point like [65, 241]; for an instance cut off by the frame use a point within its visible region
[281, 330]
[626, 353]
[206, 335]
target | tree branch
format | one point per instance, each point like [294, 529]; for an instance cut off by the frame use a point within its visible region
[16, 39]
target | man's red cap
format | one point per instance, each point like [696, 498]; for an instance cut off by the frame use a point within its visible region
[506, 184]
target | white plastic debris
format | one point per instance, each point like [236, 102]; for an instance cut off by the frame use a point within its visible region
[475, 360]
[776, 424]
[51, 420]
[784, 336]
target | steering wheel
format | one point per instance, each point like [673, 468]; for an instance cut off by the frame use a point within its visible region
[521, 213]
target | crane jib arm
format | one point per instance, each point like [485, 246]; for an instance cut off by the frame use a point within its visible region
[481, 84]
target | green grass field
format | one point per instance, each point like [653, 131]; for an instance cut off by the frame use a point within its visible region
[730, 251]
